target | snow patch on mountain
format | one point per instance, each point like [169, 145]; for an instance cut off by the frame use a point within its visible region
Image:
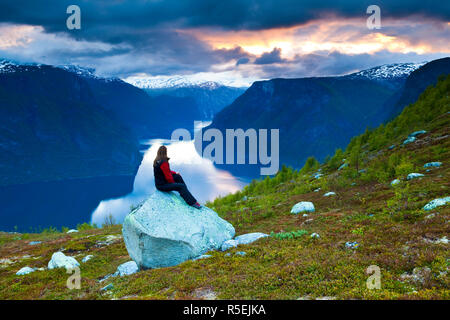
[171, 82]
[10, 66]
[388, 71]
[86, 72]
[200, 80]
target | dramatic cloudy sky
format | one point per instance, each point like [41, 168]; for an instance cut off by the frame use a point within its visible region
[236, 41]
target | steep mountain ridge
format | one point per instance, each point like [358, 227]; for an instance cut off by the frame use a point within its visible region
[209, 97]
[317, 115]
[51, 128]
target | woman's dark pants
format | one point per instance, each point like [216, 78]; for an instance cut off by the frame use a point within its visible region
[179, 186]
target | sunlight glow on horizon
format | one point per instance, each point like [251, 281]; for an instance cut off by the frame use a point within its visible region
[347, 36]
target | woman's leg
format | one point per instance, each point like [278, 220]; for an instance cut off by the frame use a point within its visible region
[178, 178]
[182, 190]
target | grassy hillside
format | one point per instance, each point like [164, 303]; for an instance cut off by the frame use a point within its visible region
[388, 223]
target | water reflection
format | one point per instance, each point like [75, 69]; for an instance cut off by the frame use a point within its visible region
[204, 180]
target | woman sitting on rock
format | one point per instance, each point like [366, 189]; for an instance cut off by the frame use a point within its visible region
[166, 180]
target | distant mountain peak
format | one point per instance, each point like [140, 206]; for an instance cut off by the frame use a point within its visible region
[9, 66]
[85, 72]
[171, 83]
[388, 71]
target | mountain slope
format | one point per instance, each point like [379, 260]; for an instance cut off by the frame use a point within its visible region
[317, 115]
[209, 97]
[366, 223]
[148, 117]
[51, 127]
[419, 80]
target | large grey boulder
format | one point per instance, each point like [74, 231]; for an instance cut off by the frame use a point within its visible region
[165, 231]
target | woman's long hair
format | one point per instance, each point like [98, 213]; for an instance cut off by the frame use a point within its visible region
[161, 155]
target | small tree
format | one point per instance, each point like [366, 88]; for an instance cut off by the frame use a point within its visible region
[310, 164]
[355, 154]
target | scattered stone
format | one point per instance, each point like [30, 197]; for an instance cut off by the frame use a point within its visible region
[303, 206]
[32, 243]
[227, 254]
[107, 287]
[25, 270]
[326, 298]
[435, 164]
[203, 256]
[315, 235]
[362, 171]
[60, 260]
[308, 221]
[126, 269]
[165, 231]
[72, 231]
[395, 181]
[242, 239]
[391, 147]
[351, 245]
[317, 190]
[205, 294]
[409, 140]
[241, 253]
[344, 165]
[305, 215]
[436, 203]
[430, 216]
[331, 193]
[250, 237]
[419, 275]
[110, 239]
[443, 240]
[228, 245]
[87, 258]
[318, 175]
[416, 133]
[5, 262]
[414, 175]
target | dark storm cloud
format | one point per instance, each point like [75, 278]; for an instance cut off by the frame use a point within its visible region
[231, 14]
[146, 36]
[270, 57]
[242, 61]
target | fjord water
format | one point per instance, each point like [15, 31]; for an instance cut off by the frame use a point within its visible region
[35, 206]
[203, 179]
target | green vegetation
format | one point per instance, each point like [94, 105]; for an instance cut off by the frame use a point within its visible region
[388, 223]
[288, 235]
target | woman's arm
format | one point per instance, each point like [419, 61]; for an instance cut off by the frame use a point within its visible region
[167, 173]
